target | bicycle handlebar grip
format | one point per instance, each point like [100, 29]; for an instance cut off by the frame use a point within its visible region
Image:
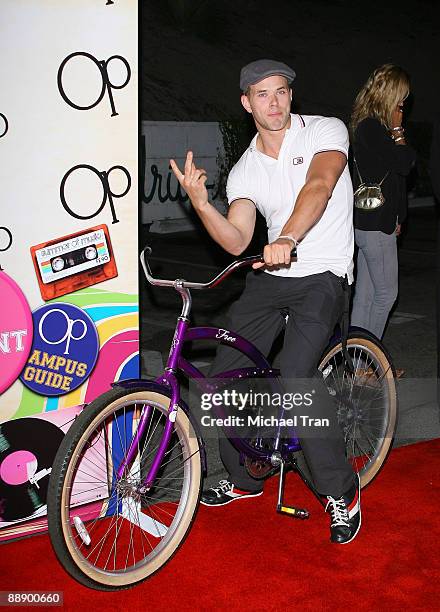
[146, 252]
[260, 258]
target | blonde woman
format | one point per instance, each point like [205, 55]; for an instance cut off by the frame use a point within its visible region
[381, 152]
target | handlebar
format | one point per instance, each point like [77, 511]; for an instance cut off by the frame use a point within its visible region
[180, 283]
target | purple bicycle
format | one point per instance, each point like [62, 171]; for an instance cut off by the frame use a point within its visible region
[126, 482]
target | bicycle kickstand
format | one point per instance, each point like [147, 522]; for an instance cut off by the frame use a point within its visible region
[282, 508]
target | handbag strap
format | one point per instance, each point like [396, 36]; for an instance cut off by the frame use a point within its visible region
[357, 168]
[380, 184]
[359, 174]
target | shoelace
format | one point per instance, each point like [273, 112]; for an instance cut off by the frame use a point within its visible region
[224, 487]
[338, 511]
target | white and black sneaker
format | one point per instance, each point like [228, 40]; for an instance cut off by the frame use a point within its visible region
[345, 512]
[225, 493]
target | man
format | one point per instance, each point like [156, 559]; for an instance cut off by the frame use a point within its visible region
[295, 172]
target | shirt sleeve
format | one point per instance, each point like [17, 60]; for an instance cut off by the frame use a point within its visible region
[398, 158]
[329, 134]
[236, 187]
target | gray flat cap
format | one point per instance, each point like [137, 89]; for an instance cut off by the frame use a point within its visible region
[260, 69]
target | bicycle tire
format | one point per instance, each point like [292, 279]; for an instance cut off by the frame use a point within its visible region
[366, 401]
[114, 415]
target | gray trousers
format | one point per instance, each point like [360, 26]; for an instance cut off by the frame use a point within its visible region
[315, 304]
[376, 285]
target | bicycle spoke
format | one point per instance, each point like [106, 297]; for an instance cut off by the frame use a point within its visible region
[364, 401]
[114, 527]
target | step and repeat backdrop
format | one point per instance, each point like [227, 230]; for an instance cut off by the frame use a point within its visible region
[68, 230]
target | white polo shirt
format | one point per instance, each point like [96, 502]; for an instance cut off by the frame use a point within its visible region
[273, 186]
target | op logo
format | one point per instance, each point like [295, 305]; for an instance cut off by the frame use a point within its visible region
[4, 126]
[5, 239]
[117, 64]
[104, 185]
[64, 350]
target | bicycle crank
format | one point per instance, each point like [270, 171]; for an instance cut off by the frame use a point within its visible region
[283, 508]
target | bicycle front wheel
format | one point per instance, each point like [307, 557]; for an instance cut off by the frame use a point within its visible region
[366, 401]
[107, 531]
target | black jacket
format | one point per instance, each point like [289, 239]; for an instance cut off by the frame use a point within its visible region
[376, 154]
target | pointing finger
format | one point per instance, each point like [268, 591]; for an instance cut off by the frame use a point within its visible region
[175, 168]
[188, 164]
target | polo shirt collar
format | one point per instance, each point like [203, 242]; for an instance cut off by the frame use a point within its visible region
[295, 123]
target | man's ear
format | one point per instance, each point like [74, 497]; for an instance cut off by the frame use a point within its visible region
[291, 93]
[245, 103]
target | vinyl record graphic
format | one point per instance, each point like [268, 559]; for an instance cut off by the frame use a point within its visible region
[27, 450]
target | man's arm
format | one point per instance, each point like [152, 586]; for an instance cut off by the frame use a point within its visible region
[233, 233]
[312, 200]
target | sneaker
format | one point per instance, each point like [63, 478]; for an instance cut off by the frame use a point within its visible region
[345, 515]
[225, 493]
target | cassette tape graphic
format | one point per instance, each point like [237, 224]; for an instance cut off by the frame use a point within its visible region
[73, 262]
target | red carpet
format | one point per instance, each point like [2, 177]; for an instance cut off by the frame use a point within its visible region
[245, 556]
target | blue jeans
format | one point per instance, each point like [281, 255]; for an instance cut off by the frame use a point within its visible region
[376, 285]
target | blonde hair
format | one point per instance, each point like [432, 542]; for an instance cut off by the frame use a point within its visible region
[384, 90]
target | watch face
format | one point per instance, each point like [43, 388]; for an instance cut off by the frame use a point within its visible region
[16, 327]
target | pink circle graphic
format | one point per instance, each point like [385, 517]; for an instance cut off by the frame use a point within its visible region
[18, 467]
[16, 329]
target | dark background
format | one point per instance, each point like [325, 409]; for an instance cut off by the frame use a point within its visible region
[192, 52]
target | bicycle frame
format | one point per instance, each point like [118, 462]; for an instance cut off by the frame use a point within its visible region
[168, 379]
[183, 333]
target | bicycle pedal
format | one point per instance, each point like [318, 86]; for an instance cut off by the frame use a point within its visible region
[300, 513]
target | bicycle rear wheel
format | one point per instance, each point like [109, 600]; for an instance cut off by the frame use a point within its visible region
[106, 532]
[366, 401]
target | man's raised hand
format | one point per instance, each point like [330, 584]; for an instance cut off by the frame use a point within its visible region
[193, 181]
